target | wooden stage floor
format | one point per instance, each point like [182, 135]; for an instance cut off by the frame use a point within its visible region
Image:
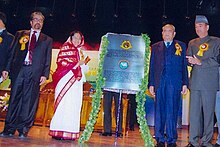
[38, 137]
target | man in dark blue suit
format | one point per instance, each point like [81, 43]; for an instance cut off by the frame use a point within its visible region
[5, 42]
[168, 78]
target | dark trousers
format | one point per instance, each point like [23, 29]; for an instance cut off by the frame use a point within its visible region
[166, 112]
[23, 102]
[107, 105]
[133, 106]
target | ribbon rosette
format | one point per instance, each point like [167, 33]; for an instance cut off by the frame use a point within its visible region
[202, 48]
[23, 41]
[178, 49]
[1, 39]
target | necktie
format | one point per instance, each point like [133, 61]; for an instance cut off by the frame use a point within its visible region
[168, 44]
[32, 45]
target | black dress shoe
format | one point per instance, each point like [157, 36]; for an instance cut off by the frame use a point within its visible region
[131, 128]
[160, 144]
[172, 145]
[119, 135]
[22, 135]
[6, 134]
[57, 138]
[189, 145]
[106, 134]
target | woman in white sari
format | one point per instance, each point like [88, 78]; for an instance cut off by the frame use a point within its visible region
[68, 79]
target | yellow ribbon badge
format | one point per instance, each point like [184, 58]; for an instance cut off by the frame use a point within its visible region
[126, 45]
[1, 39]
[23, 41]
[202, 48]
[178, 49]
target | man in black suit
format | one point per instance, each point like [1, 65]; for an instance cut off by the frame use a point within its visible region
[28, 67]
[133, 107]
[5, 42]
[109, 94]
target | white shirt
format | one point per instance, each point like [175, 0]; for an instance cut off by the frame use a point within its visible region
[1, 30]
[37, 36]
[167, 42]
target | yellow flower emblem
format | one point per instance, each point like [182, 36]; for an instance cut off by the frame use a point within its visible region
[1, 39]
[126, 45]
[178, 49]
[23, 41]
[202, 48]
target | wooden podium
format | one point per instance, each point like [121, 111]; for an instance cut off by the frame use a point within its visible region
[45, 112]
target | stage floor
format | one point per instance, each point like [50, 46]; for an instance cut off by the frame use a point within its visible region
[38, 137]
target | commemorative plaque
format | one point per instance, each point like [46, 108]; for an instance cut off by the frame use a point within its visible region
[123, 66]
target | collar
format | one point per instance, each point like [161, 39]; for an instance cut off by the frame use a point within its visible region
[168, 41]
[1, 30]
[204, 39]
[38, 31]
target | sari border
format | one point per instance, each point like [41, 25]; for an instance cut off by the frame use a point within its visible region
[64, 134]
[64, 91]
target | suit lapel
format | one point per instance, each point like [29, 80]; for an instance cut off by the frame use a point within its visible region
[161, 52]
[161, 46]
[40, 39]
[26, 33]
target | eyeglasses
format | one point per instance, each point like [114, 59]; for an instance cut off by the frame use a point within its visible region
[38, 20]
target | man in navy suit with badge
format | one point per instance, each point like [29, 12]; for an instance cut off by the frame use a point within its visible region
[168, 78]
[28, 67]
[5, 42]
